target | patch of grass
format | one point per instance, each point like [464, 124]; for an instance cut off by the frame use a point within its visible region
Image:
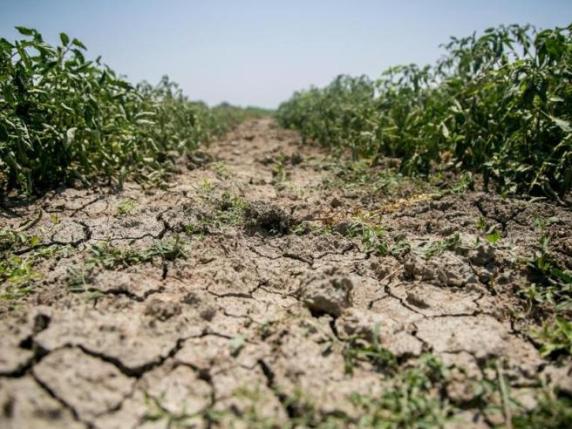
[18, 273]
[358, 349]
[371, 236]
[400, 247]
[555, 338]
[227, 210]
[220, 169]
[279, 173]
[126, 207]
[11, 240]
[493, 237]
[206, 187]
[110, 257]
[361, 175]
[552, 412]
[438, 247]
[412, 401]
[105, 256]
[551, 290]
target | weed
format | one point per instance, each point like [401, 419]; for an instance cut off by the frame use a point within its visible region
[220, 169]
[370, 235]
[552, 412]
[110, 257]
[400, 247]
[555, 338]
[11, 240]
[227, 210]
[18, 274]
[78, 278]
[156, 412]
[552, 287]
[493, 237]
[236, 345]
[413, 399]
[437, 248]
[126, 207]
[206, 187]
[359, 349]
[279, 173]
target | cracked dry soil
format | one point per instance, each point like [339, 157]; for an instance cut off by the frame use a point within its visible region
[250, 318]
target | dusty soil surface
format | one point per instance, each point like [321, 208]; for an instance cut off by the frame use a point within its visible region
[267, 287]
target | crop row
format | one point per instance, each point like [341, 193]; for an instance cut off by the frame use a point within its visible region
[66, 119]
[498, 104]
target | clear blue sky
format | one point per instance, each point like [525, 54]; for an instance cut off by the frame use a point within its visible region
[259, 52]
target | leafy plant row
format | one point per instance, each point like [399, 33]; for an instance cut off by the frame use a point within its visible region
[499, 104]
[64, 118]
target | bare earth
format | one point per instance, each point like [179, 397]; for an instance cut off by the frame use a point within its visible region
[242, 296]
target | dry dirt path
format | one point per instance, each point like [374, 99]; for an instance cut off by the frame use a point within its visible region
[256, 290]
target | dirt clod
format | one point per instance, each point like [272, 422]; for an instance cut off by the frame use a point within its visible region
[268, 218]
[327, 292]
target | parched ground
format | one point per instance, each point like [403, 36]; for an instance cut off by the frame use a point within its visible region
[268, 286]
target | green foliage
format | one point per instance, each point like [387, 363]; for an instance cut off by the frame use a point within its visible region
[552, 288]
[227, 210]
[412, 401]
[370, 235]
[358, 349]
[65, 118]
[499, 104]
[225, 116]
[110, 257]
[11, 240]
[17, 276]
[555, 337]
[552, 412]
[438, 247]
[126, 207]
[19, 255]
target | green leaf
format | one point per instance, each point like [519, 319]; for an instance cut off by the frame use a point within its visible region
[563, 124]
[26, 31]
[77, 43]
[493, 237]
[64, 38]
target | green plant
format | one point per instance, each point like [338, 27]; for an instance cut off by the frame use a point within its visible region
[552, 412]
[498, 104]
[370, 235]
[110, 257]
[359, 349]
[64, 119]
[279, 173]
[439, 246]
[412, 401]
[552, 287]
[126, 207]
[227, 210]
[555, 337]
